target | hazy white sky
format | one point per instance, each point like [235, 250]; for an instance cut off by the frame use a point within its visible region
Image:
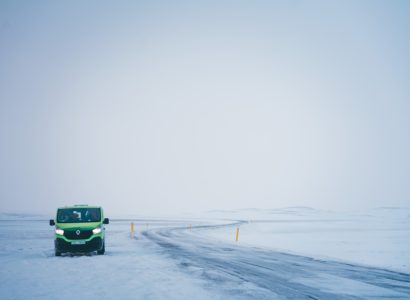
[165, 106]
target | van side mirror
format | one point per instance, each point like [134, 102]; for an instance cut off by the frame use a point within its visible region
[106, 221]
[52, 223]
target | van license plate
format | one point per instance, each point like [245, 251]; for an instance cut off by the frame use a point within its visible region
[78, 243]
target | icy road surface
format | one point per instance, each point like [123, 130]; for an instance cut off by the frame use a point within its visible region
[260, 274]
[167, 260]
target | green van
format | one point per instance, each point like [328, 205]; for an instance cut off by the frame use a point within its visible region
[79, 229]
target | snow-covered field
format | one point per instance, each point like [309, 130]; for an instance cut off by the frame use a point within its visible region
[294, 253]
[131, 269]
[380, 237]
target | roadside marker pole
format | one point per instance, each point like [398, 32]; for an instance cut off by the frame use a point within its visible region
[190, 227]
[237, 234]
[132, 229]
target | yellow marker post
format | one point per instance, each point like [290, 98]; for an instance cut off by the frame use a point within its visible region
[132, 229]
[237, 234]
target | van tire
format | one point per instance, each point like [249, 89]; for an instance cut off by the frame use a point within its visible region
[57, 253]
[102, 251]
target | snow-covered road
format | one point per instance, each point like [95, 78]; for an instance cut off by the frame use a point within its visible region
[168, 260]
[262, 274]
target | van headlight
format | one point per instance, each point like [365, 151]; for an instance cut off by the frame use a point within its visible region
[59, 231]
[97, 230]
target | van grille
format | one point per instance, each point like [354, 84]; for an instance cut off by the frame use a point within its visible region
[72, 234]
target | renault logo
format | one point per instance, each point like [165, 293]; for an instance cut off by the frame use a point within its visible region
[78, 232]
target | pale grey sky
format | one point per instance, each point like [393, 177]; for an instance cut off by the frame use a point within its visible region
[174, 106]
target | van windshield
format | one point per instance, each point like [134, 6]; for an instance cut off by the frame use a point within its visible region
[78, 215]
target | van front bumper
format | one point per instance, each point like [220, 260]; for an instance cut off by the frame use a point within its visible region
[94, 244]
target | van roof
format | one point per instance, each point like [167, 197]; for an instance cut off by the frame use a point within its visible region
[80, 205]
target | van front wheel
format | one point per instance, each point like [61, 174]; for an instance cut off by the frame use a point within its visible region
[102, 251]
